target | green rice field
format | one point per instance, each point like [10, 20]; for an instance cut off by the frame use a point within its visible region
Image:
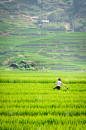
[28, 101]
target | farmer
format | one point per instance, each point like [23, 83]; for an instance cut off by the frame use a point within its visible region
[58, 83]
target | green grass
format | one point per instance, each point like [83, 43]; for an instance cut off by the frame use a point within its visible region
[34, 105]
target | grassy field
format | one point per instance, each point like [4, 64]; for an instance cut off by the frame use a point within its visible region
[28, 101]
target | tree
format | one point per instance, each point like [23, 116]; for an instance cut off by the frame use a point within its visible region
[33, 1]
[52, 17]
[78, 4]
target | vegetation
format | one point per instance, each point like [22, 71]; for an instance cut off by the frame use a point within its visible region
[15, 15]
[63, 51]
[52, 45]
[28, 101]
[25, 65]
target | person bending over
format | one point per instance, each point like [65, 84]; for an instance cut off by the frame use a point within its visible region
[58, 83]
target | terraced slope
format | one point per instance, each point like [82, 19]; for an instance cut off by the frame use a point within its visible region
[65, 51]
[49, 46]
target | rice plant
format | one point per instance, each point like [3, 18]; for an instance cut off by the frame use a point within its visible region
[30, 102]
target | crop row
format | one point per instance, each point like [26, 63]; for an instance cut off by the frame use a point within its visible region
[42, 77]
[43, 122]
[42, 111]
[36, 80]
[42, 103]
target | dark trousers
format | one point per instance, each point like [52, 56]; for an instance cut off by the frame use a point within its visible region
[58, 87]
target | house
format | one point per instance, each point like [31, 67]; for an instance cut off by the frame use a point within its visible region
[45, 21]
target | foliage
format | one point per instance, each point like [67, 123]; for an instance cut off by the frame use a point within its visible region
[25, 66]
[15, 10]
[52, 17]
[78, 4]
[54, 27]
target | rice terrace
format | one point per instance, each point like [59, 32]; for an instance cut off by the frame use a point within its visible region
[42, 41]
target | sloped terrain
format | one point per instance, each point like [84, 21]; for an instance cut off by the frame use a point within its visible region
[65, 51]
[51, 45]
[16, 15]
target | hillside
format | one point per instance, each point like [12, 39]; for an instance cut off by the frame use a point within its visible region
[65, 51]
[59, 44]
[67, 15]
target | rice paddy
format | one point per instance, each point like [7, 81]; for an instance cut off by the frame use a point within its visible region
[28, 101]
